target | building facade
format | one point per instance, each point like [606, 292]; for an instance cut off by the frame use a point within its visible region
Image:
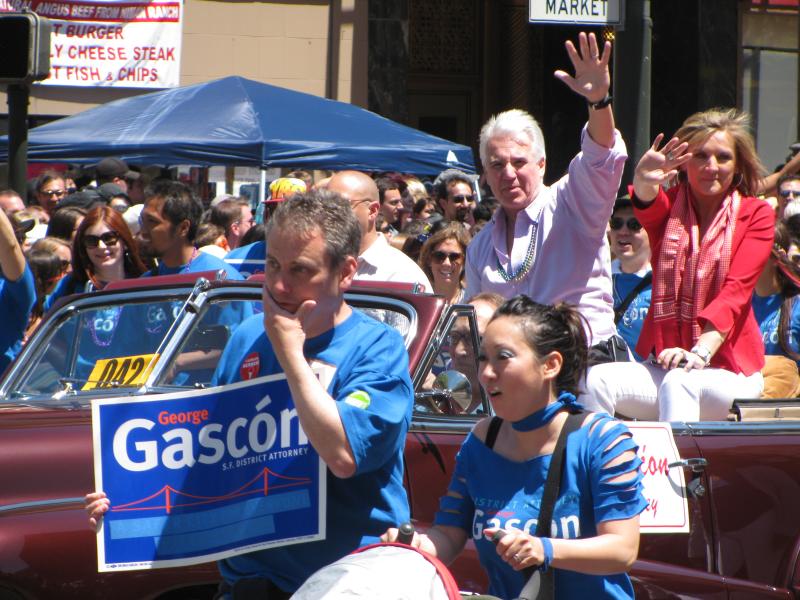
[444, 66]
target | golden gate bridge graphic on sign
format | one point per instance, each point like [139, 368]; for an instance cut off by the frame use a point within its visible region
[263, 483]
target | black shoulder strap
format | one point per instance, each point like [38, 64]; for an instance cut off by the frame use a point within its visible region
[491, 433]
[618, 312]
[553, 484]
[541, 586]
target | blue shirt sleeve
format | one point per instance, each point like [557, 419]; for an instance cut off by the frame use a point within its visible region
[17, 299]
[614, 500]
[375, 400]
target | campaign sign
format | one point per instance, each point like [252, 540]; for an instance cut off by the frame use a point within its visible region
[205, 474]
[664, 487]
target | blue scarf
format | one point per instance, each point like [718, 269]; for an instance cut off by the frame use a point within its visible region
[545, 415]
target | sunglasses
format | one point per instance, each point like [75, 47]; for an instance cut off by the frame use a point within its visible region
[790, 193]
[459, 337]
[633, 224]
[64, 265]
[461, 198]
[54, 193]
[439, 256]
[109, 238]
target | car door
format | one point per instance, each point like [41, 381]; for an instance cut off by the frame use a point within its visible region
[753, 475]
[440, 425]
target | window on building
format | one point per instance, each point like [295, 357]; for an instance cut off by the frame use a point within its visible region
[770, 75]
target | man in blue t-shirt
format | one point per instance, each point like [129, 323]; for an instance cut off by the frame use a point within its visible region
[357, 423]
[631, 265]
[169, 225]
[169, 220]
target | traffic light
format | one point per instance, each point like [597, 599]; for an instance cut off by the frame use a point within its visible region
[24, 47]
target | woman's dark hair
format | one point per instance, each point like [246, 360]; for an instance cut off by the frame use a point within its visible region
[255, 234]
[82, 266]
[207, 233]
[62, 222]
[549, 328]
[419, 206]
[784, 238]
[45, 267]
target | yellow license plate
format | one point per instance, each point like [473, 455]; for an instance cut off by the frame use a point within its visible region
[123, 371]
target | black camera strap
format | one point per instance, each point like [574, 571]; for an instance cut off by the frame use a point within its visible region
[618, 312]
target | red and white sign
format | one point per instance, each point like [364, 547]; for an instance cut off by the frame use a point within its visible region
[664, 488]
[111, 43]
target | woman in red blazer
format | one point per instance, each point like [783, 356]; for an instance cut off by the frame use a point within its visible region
[710, 239]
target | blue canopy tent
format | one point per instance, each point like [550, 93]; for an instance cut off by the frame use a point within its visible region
[236, 121]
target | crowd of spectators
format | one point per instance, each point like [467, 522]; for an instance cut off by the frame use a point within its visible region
[455, 234]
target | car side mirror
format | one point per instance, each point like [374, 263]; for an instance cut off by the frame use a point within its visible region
[457, 387]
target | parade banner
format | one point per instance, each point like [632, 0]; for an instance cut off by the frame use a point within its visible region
[111, 43]
[664, 487]
[203, 475]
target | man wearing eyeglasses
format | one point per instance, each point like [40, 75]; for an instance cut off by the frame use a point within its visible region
[788, 196]
[454, 192]
[234, 216]
[378, 260]
[631, 275]
[50, 190]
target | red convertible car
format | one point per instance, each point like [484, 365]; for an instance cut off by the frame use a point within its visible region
[743, 478]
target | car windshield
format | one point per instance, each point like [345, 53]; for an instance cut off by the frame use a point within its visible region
[93, 349]
[99, 346]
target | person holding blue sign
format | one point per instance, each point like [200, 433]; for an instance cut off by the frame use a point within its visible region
[357, 423]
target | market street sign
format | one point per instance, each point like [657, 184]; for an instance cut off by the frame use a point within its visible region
[576, 12]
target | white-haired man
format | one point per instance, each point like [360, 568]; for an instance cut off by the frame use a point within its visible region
[549, 242]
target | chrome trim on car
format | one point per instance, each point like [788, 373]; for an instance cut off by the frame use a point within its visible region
[712, 428]
[449, 424]
[41, 503]
[354, 298]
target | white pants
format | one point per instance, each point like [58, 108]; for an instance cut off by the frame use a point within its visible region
[648, 392]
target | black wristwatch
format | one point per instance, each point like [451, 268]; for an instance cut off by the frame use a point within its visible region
[600, 103]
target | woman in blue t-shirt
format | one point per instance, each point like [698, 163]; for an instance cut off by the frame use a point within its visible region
[777, 310]
[533, 358]
[775, 304]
